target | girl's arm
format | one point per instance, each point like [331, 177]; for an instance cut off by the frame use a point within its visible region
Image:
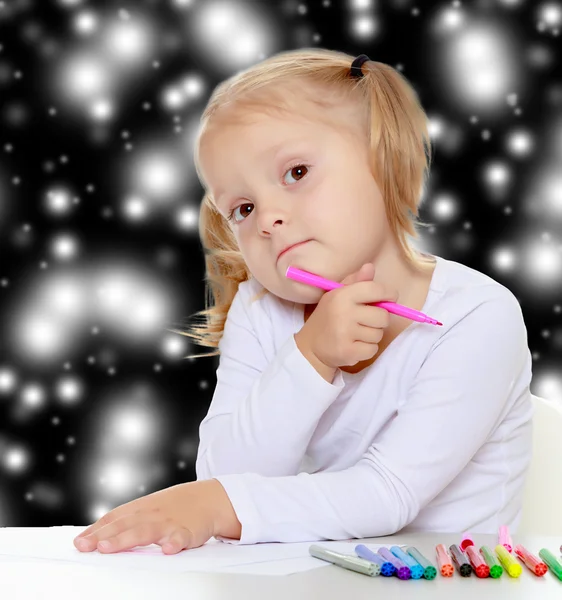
[459, 397]
[263, 414]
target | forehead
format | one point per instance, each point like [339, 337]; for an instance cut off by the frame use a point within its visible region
[226, 148]
[251, 126]
[256, 134]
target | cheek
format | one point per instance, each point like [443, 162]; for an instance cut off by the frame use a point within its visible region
[323, 202]
[329, 207]
[251, 247]
[347, 206]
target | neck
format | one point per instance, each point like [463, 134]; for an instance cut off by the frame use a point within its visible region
[394, 271]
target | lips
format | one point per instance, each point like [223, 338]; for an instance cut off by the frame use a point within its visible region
[291, 247]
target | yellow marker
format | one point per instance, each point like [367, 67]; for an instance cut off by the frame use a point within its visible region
[509, 563]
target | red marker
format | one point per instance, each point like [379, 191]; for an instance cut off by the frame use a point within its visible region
[478, 563]
[466, 541]
[533, 563]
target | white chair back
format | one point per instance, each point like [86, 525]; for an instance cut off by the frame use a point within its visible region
[542, 503]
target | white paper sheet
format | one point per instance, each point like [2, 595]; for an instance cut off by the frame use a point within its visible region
[55, 543]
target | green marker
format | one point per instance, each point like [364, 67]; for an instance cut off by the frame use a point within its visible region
[496, 570]
[429, 571]
[551, 562]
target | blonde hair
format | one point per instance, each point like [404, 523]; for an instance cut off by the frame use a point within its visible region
[393, 121]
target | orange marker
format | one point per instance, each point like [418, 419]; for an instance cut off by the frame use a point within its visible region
[533, 563]
[444, 561]
[477, 562]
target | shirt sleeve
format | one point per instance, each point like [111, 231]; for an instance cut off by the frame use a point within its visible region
[457, 399]
[263, 413]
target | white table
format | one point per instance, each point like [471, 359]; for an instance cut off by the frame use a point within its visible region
[43, 579]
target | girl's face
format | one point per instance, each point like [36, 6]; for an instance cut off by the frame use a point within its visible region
[286, 181]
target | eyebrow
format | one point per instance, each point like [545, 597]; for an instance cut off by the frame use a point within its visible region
[267, 153]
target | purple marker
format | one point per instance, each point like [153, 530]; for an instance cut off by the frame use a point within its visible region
[402, 570]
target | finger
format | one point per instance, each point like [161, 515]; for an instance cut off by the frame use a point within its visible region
[364, 350]
[372, 316]
[180, 539]
[366, 272]
[366, 292]
[368, 335]
[390, 294]
[140, 533]
[99, 524]
[90, 542]
[132, 507]
[378, 293]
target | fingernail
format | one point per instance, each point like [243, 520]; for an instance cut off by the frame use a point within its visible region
[104, 545]
[82, 543]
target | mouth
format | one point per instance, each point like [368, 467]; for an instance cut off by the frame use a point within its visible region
[291, 247]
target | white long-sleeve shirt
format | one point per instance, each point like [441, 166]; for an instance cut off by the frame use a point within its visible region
[435, 435]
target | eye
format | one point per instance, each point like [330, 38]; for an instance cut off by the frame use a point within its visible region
[298, 170]
[230, 215]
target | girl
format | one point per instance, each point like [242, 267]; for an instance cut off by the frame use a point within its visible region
[331, 418]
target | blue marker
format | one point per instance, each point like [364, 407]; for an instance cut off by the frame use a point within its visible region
[387, 568]
[402, 569]
[415, 567]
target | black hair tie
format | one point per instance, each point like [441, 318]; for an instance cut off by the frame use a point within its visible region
[356, 65]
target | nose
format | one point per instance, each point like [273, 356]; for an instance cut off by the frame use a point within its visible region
[273, 213]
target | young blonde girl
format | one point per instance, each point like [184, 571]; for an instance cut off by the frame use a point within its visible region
[332, 418]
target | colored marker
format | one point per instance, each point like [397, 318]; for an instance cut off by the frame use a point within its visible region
[477, 562]
[347, 561]
[402, 570]
[533, 563]
[504, 538]
[444, 561]
[387, 569]
[429, 570]
[460, 561]
[551, 561]
[327, 284]
[466, 541]
[496, 570]
[416, 569]
[508, 562]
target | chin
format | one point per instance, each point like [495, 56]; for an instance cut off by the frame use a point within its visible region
[301, 292]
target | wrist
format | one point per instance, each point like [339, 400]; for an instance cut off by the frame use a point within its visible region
[326, 371]
[226, 523]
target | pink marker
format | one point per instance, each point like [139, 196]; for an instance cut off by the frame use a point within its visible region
[505, 538]
[327, 284]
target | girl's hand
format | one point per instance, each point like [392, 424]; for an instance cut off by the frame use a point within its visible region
[176, 518]
[343, 329]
